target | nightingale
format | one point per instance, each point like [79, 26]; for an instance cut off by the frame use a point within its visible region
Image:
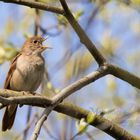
[25, 74]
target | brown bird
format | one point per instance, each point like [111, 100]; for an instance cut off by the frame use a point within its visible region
[25, 74]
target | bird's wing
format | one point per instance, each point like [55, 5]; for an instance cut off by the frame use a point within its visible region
[10, 72]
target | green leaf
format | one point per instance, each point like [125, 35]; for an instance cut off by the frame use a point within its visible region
[91, 117]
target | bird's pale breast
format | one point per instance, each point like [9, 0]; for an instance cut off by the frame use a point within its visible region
[28, 74]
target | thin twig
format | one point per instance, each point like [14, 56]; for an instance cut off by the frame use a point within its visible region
[40, 122]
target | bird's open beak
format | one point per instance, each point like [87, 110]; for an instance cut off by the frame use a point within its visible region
[45, 47]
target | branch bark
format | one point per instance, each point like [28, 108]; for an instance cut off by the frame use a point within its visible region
[37, 5]
[125, 75]
[82, 35]
[114, 70]
[13, 97]
[65, 93]
[40, 122]
[102, 71]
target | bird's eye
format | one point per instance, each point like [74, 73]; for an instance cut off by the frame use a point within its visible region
[35, 41]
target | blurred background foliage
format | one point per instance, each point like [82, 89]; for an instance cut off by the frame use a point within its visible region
[114, 27]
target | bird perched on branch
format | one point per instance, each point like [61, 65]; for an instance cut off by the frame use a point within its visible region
[25, 74]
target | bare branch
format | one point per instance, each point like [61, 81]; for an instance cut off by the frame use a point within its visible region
[65, 93]
[82, 35]
[12, 97]
[37, 5]
[22, 98]
[114, 70]
[125, 75]
[104, 70]
[79, 84]
[40, 122]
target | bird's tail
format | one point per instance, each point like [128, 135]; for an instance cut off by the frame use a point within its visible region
[9, 117]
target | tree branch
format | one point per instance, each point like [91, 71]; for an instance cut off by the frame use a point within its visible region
[124, 75]
[82, 35]
[102, 71]
[37, 5]
[65, 93]
[40, 122]
[114, 70]
[12, 97]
